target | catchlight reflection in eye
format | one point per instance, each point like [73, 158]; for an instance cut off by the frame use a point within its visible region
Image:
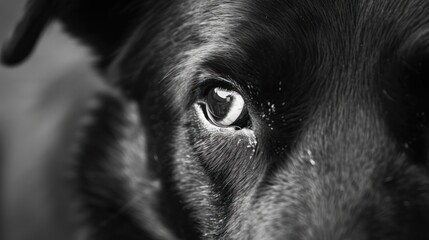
[226, 108]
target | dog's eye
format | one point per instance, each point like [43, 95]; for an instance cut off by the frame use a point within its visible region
[226, 108]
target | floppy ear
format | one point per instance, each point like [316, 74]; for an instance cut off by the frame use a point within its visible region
[101, 24]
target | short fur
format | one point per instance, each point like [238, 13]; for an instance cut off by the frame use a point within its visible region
[337, 92]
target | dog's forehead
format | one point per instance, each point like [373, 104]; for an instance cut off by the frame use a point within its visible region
[272, 47]
[284, 33]
[280, 52]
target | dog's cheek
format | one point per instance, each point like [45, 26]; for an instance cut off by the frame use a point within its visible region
[229, 157]
[212, 170]
[196, 191]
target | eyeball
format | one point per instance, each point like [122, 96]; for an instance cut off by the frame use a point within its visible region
[226, 108]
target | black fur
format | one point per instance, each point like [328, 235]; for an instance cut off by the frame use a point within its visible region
[337, 95]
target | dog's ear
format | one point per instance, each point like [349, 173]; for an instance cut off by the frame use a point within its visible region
[101, 24]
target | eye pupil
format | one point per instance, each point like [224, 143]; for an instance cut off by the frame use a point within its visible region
[225, 108]
[218, 104]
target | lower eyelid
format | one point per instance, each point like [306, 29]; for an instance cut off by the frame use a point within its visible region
[199, 111]
[204, 123]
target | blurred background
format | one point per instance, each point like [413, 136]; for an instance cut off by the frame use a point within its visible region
[37, 100]
[55, 54]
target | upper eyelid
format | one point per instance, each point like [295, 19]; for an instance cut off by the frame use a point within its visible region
[211, 78]
[205, 79]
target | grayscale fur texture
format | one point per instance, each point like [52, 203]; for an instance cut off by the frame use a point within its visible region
[337, 92]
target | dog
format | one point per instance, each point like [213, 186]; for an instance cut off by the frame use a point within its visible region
[249, 119]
